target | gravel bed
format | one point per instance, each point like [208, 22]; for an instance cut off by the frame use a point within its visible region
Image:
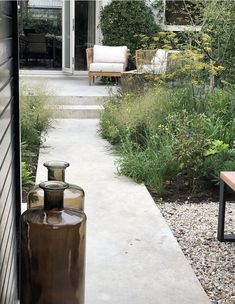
[194, 225]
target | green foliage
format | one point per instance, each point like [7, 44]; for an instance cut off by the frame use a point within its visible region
[217, 146]
[219, 25]
[26, 176]
[188, 64]
[36, 116]
[183, 124]
[42, 24]
[189, 143]
[168, 132]
[218, 106]
[152, 165]
[215, 163]
[122, 21]
[110, 127]
[209, 54]
[219, 157]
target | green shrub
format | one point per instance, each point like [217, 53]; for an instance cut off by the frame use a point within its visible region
[122, 21]
[152, 165]
[110, 127]
[218, 157]
[167, 133]
[140, 115]
[218, 106]
[216, 163]
[189, 143]
[26, 176]
[36, 116]
[219, 24]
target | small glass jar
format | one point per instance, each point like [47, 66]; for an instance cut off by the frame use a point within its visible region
[52, 250]
[73, 195]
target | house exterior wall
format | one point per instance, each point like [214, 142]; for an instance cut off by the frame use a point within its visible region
[9, 152]
[45, 3]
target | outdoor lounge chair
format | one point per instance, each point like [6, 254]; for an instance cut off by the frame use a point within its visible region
[154, 61]
[106, 61]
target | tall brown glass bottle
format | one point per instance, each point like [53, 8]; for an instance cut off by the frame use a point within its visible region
[73, 196]
[52, 251]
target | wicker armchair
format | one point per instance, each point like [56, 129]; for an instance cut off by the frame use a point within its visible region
[144, 57]
[155, 61]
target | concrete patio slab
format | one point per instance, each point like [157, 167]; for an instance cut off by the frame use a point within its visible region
[132, 256]
[68, 85]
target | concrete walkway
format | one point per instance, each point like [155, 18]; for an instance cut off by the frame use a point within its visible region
[132, 256]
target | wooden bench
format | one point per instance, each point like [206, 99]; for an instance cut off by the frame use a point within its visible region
[227, 179]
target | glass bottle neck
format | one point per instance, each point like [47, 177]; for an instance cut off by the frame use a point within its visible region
[53, 200]
[53, 194]
[56, 174]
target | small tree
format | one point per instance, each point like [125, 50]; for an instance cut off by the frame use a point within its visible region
[122, 23]
[219, 24]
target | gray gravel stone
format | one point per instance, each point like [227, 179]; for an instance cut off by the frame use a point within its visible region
[195, 227]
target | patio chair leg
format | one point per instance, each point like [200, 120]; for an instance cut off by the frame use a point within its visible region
[90, 80]
[93, 79]
[222, 206]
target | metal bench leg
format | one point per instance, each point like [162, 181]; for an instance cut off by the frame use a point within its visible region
[222, 206]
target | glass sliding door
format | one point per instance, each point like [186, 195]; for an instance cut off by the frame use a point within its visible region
[68, 36]
[85, 28]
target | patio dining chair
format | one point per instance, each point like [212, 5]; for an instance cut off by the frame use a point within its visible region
[37, 48]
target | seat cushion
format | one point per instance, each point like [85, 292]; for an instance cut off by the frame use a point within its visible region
[151, 68]
[106, 67]
[160, 57]
[109, 54]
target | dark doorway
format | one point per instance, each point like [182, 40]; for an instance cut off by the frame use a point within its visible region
[84, 31]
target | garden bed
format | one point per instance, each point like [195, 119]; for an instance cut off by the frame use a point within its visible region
[178, 190]
[36, 119]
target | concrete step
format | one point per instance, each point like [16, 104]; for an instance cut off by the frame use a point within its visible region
[78, 111]
[77, 100]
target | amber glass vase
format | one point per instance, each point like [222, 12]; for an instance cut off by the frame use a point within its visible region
[73, 195]
[52, 250]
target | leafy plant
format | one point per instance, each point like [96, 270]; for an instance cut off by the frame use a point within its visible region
[120, 21]
[189, 144]
[36, 115]
[169, 134]
[27, 179]
[219, 25]
[217, 146]
[152, 165]
[215, 163]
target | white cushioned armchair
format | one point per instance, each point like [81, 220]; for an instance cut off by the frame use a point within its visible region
[106, 61]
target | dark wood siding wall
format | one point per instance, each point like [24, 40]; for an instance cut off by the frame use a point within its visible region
[9, 152]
